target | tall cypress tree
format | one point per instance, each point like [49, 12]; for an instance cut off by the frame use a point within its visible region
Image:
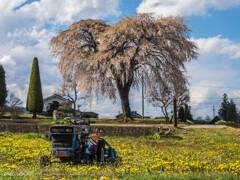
[34, 98]
[224, 107]
[3, 88]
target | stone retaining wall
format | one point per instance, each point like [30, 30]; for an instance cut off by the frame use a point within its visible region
[107, 130]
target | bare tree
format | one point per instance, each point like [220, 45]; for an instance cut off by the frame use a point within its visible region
[111, 58]
[162, 96]
[208, 118]
[14, 106]
[70, 88]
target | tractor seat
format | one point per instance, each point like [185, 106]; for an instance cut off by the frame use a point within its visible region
[82, 121]
[85, 129]
[85, 125]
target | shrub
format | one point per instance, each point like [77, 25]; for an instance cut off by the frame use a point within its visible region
[65, 109]
[6, 133]
[156, 136]
[53, 106]
[92, 121]
[190, 122]
[221, 122]
[33, 136]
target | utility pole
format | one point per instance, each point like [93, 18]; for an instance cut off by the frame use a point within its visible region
[175, 112]
[185, 112]
[142, 98]
[213, 111]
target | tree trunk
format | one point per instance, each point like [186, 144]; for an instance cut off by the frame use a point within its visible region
[175, 112]
[34, 115]
[124, 96]
[74, 109]
[165, 113]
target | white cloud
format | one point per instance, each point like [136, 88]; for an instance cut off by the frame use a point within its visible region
[218, 46]
[184, 7]
[7, 61]
[18, 92]
[202, 91]
[39, 13]
[48, 90]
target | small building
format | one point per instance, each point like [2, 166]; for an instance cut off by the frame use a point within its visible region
[48, 100]
[216, 119]
[160, 117]
[134, 114]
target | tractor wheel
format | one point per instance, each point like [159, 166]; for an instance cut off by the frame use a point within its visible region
[113, 155]
[47, 136]
[44, 160]
[101, 152]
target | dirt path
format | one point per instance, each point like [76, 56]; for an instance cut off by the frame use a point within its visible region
[205, 126]
[137, 125]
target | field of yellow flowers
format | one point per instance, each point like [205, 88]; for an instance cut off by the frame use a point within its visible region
[195, 154]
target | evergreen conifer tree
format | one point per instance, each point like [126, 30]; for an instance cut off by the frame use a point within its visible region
[181, 113]
[232, 111]
[224, 107]
[34, 98]
[3, 88]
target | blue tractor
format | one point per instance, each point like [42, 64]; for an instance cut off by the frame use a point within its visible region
[72, 143]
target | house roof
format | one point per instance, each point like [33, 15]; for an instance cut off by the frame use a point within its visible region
[85, 112]
[218, 118]
[56, 96]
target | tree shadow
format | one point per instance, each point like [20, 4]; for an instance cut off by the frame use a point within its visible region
[171, 137]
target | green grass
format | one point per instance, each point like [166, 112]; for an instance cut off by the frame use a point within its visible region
[28, 116]
[38, 116]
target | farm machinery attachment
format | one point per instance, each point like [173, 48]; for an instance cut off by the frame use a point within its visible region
[72, 143]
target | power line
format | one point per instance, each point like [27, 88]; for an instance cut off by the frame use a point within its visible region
[203, 107]
[217, 86]
[195, 97]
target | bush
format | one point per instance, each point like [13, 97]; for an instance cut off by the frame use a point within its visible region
[65, 109]
[221, 122]
[190, 122]
[92, 121]
[15, 112]
[6, 133]
[33, 136]
[156, 136]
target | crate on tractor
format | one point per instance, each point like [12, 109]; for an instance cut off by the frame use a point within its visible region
[73, 143]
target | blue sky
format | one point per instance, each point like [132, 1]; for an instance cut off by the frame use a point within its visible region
[26, 28]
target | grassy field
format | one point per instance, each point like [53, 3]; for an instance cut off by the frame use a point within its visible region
[27, 116]
[196, 154]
